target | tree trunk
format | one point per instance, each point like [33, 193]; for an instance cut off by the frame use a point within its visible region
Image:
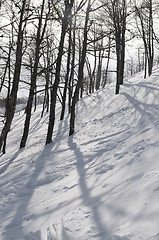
[107, 66]
[71, 82]
[80, 72]
[54, 88]
[33, 79]
[99, 70]
[66, 77]
[16, 77]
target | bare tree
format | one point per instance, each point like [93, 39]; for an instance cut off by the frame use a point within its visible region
[67, 74]
[80, 70]
[39, 37]
[10, 109]
[54, 88]
[144, 12]
[116, 11]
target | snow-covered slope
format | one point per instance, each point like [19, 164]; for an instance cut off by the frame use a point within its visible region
[101, 183]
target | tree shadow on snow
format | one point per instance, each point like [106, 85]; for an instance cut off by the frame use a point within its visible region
[147, 112]
[15, 227]
[34, 236]
[4, 168]
[91, 202]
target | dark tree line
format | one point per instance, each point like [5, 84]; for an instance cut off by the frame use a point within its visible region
[63, 50]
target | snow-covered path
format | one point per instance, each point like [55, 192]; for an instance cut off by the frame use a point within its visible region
[101, 183]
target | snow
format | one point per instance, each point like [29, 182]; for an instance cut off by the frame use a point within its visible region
[101, 183]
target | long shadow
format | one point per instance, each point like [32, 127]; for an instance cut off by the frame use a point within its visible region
[148, 85]
[4, 168]
[91, 202]
[17, 122]
[104, 138]
[62, 128]
[36, 125]
[134, 102]
[146, 110]
[24, 196]
[16, 224]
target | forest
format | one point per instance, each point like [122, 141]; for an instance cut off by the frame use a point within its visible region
[57, 51]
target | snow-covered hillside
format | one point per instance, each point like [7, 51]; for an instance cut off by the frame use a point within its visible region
[101, 183]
